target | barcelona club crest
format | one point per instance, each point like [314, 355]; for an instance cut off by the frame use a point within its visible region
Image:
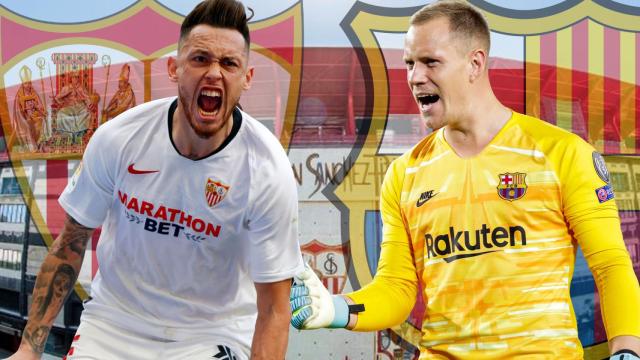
[215, 192]
[512, 186]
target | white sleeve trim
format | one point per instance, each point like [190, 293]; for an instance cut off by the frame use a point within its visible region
[280, 275]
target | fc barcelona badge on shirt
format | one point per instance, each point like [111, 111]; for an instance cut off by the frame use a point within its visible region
[215, 192]
[512, 186]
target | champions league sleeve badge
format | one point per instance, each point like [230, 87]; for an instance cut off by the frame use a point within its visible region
[604, 193]
[600, 166]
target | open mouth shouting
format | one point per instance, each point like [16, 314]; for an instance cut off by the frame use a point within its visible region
[426, 101]
[209, 102]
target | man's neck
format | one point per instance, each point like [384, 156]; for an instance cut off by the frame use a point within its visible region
[468, 136]
[192, 146]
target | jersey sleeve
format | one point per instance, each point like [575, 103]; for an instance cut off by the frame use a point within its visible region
[89, 193]
[593, 218]
[390, 296]
[274, 251]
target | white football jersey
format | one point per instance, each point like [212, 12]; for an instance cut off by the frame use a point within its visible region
[183, 241]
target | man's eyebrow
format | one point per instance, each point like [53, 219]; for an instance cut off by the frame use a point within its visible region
[196, 50]
[429, 58]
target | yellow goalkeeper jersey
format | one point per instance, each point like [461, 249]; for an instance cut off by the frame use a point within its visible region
[491, 241]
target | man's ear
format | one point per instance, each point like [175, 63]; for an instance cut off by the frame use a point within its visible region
[478, 63]
[247, 78]
[172, 68]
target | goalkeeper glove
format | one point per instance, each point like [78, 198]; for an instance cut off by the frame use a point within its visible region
[313, 307]
[624, 354]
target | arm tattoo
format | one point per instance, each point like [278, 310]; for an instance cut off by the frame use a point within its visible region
[55, 281]
[59, 287]
[74, 237]
[37, 303]
[40, 280]
[76, 223]
[37, 338]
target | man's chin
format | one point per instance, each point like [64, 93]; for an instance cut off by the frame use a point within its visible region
[427, 119]
[203, 132]
[208, 128]
[433, 123]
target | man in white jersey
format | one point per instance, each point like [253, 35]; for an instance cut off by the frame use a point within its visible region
[449, 204]
[198, 208]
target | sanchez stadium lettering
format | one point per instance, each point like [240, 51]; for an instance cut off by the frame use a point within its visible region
[485, 241]
[174, 220]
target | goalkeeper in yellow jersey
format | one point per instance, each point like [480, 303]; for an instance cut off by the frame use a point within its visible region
[484, 216]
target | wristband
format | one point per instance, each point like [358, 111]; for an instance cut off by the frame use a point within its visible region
[341, 317]
[343, 310]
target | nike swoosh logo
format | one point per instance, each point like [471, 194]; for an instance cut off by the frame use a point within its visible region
[134, 171]
[424, 197]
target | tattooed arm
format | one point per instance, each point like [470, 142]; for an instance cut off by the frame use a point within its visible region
[55, 281]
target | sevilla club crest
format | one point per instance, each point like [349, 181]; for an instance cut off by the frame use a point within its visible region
[329, 263]
[512, 186]
[215, 192]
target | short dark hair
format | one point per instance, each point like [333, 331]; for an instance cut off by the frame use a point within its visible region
[464, 19]
[227, 14]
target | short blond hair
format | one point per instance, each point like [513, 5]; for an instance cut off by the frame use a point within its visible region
[464, 20]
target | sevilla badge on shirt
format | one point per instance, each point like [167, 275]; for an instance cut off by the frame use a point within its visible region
[512, 186]
[215, 192]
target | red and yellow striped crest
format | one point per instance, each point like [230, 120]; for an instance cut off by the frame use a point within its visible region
[512, 186]
[215, 192]
[584, 79]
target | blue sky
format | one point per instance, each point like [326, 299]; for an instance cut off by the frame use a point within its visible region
[75, 11]
[321, 17]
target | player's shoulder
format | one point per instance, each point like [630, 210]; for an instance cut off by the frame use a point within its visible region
[260, 141]
[548, 137]
[424, 150]
[141, 116]
[143, 111]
